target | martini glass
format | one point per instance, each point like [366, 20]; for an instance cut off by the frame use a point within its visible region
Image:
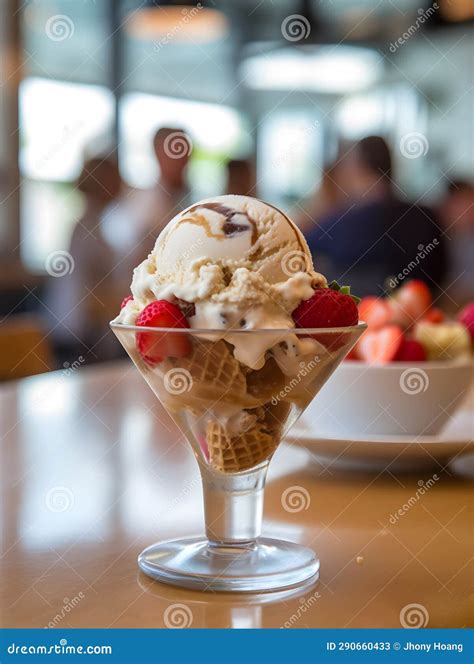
[234, 418]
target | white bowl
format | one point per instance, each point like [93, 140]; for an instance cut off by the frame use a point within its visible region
[402, 398]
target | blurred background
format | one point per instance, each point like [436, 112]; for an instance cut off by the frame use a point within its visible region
[354, 116]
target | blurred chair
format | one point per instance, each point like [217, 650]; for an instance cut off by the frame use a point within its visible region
[24, 348]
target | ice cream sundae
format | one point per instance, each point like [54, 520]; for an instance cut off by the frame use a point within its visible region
[221, 268]
[235, 333]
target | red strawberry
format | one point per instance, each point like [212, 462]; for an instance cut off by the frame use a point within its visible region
[410, 351]
[327, 308]
[155, 346]
[411, 302]
[380, 346]
[433, 315]
[466, 317]
[125, 300]
[375, 311]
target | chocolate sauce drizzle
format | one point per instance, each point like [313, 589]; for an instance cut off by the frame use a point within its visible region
[230, 228]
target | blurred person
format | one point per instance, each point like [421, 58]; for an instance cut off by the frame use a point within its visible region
[374, 235]
[141, 214]
[241, 177]
[81, 296]
[456, 213]
[326, 198]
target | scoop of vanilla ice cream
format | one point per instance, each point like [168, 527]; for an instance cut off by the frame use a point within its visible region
[241, 262]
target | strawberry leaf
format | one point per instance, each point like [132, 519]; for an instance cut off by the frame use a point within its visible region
[345, 290]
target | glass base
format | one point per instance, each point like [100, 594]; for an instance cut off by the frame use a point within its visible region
[263, 565]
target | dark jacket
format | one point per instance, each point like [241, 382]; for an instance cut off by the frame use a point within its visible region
[368, 245]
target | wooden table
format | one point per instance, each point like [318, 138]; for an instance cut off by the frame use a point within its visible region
[93, 470]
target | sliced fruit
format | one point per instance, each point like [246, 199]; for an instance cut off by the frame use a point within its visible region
[380, 346]
[443, 341]
[410, 351]
[156, 346]
[434, 315]
[411, 302]
[466, 318]
[375, 311]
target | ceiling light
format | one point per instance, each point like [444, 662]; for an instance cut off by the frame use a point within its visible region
[177, 23]
[328, 69]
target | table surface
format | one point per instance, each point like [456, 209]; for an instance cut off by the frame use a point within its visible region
[93, 470]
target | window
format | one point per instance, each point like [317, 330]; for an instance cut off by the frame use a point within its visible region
[60, 125]
[217, 133]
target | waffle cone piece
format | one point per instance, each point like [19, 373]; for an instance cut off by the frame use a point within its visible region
[214, 376]
[232, 455]
[267, 382]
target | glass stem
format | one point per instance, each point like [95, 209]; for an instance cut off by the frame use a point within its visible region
[233, 505]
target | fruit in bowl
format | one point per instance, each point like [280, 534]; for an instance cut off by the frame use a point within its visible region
[406, 327]
[408, 372]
